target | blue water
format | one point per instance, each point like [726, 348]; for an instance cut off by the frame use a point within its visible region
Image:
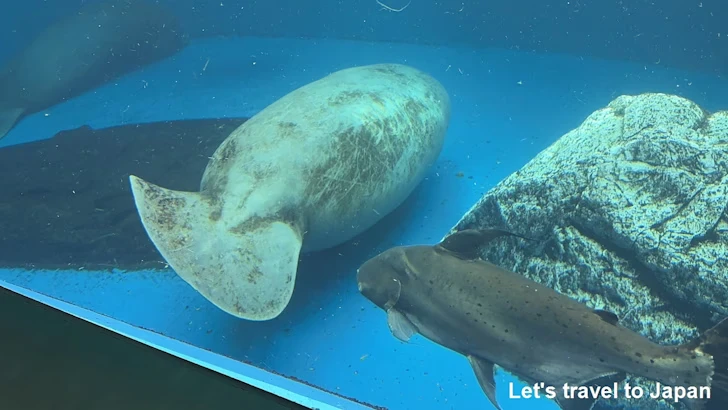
[687, 34]
[507, 106]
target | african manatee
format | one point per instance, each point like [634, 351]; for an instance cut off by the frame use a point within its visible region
[99, 42]
[310, 171]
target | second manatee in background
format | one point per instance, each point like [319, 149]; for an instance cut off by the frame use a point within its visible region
[309, 172]
[98, 43]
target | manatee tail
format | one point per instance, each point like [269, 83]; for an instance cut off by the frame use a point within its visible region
[8, 118]
[248, 272]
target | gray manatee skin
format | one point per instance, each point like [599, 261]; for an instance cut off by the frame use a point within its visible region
[98, 43]
[310, 171]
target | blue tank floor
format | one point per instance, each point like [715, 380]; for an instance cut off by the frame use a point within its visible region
[507, 107]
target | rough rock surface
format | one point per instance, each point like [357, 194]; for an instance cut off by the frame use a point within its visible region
[629, 213]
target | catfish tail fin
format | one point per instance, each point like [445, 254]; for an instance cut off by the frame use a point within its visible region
[715, 343]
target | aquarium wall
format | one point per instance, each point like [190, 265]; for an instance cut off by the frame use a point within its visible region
[211, 177]
[687, 35]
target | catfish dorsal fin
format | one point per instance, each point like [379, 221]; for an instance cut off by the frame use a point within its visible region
[607, 316]
[466, 243]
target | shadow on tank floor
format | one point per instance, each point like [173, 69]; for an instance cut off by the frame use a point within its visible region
[50, 360]
[66, 201]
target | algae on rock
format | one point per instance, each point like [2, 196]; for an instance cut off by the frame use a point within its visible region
[629, 213]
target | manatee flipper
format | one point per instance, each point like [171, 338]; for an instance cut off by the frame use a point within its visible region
[249, 274]
[8, 118]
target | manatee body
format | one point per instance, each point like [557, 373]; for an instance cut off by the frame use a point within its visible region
[308, 172]
[100, 42]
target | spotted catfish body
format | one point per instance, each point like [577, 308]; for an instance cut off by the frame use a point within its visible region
[494, 316]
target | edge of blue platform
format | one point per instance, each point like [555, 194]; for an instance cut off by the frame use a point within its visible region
[291, 390]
